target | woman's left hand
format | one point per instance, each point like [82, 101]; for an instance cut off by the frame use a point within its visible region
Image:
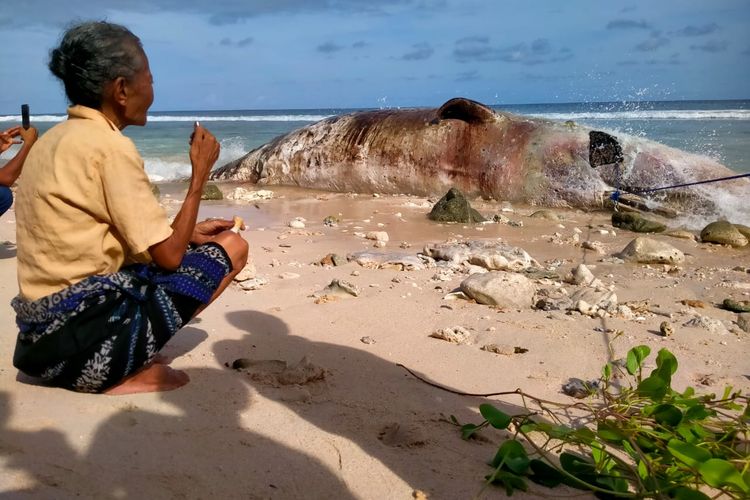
[206, 230]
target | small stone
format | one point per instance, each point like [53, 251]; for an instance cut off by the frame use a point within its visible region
[693, 303]
[331, 221]
[596, 246]
[580, 389]
[454, 335]
[297, 223]
[289, 276]
[253, 284]
[419, 495]
[681, 234]
[636, 223]
[377, 236]
[581, 275]
[666, 329]
[367, 340]
[545, 214]
[248, 272]
[504, 349]
[714, 326]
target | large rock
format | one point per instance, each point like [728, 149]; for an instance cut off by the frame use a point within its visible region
[723, 233]
[500, 288]
[634, 222]
[492, 255]
[743, 229]
[582, 275]
[743, 321]
[595, 299]
[648, 251]
[211, 192]
[454, 207]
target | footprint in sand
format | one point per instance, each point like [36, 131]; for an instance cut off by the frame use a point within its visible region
[402, 436]
[278, 373]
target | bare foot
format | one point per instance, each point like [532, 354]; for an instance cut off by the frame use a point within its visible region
[161, 359]
[153, 378]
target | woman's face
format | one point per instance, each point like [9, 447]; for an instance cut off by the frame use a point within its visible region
[140, 95]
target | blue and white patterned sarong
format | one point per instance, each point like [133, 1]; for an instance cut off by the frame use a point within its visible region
[91, 335]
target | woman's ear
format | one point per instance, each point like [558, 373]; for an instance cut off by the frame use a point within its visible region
[119, 89]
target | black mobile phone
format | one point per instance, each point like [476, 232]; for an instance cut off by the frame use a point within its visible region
[25, 116]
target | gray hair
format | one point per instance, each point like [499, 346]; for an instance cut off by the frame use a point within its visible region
[92, 54]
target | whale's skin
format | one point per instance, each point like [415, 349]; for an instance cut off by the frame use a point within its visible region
[467, 145]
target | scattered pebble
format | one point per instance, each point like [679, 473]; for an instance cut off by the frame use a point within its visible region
[666, 329]
[455, 335]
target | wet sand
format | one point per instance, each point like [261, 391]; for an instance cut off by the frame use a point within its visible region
[347, 422]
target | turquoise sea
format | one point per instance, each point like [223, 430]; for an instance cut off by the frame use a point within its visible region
[719, 129]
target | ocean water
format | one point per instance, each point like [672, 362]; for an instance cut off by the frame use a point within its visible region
[719, 129]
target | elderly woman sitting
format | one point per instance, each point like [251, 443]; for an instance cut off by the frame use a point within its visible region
[104, 279]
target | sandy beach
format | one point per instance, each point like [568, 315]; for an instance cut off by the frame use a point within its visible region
[343, 420]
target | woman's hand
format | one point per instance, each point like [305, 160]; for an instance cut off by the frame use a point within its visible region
[29, 136]
[206, 231]
[204, 151]
[6, 138]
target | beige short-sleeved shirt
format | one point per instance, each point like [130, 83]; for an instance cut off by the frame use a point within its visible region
[84, 205]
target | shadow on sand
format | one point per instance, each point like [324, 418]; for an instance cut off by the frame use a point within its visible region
[211, 438]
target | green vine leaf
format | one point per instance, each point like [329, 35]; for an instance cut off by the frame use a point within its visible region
[468, 430]
[685, 493]
[512, 455]
[667, 414]
[720, 473]
[635, 358]
[688, 453]
[545, 474]
[654, 387]
[644, 442]
[496, 418]
[509, 481]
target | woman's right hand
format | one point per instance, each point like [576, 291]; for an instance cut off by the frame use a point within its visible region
[28, 135]
[204, 151]
[7, 136]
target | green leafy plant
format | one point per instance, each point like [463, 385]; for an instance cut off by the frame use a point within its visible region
[643, 440]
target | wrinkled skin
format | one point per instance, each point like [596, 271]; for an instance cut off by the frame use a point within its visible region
[467, 145]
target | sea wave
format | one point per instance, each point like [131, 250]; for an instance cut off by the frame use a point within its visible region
[634, 114]
[192, 118]
[178, 167]
[696, 114]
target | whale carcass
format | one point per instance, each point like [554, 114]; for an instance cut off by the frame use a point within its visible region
[480, 151]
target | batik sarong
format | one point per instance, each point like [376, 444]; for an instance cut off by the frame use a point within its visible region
[91, 335]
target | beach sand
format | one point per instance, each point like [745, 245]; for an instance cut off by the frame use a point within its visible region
[349, 422]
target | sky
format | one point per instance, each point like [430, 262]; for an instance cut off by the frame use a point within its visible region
[308, 54]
